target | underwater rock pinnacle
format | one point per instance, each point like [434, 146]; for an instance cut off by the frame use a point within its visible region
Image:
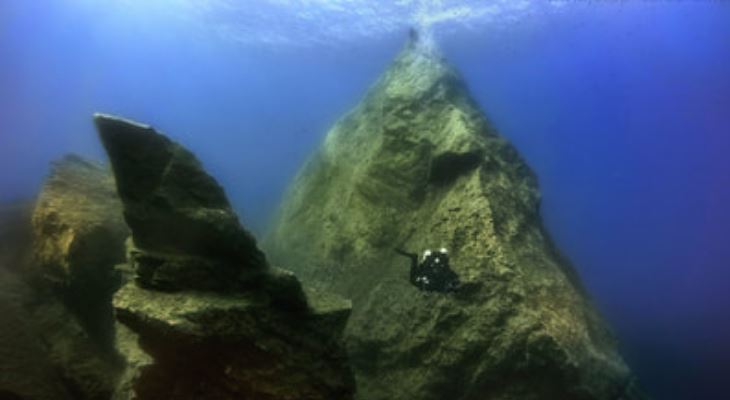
[165, 190]
[416, 165]
[216, 321]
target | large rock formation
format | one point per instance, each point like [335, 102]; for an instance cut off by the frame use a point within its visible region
[217, 321]
[417, 165]
[79, 236]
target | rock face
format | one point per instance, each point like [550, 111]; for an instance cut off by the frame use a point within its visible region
[79, 236]
[15, 235]
[87, 370]
[217, 321]
[26, 370]
[44, 352]
[417, 165]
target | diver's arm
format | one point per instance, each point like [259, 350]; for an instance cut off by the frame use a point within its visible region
[405, 253]
[414, 263]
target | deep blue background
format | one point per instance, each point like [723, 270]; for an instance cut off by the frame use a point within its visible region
[623, 112]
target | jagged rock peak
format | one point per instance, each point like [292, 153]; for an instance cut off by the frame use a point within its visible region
[419, 68]
[141, 170]
[170, 203]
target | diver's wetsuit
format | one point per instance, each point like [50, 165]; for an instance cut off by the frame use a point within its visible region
[433, 273]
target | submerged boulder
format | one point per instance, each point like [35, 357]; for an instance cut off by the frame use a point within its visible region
[416, 165]
[215, 319]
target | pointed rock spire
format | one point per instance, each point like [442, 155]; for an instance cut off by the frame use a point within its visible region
[170, 203]
[416, 165]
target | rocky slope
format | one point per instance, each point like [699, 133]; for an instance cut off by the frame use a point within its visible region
[417, 165]
[216, 321]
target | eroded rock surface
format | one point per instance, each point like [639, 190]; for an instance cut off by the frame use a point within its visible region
[217, 321]
[417, 165]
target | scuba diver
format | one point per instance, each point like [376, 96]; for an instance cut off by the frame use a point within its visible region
[433, 273]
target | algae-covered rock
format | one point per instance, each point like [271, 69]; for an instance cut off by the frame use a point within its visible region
[135, 362]
[79, 236]
[417, 165]
[213, 318]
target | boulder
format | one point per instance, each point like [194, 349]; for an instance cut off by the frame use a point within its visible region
[213, 318]
[416, 165]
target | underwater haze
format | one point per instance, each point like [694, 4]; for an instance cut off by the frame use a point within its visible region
[622, 109]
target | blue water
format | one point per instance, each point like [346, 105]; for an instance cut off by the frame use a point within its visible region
[622, 109]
